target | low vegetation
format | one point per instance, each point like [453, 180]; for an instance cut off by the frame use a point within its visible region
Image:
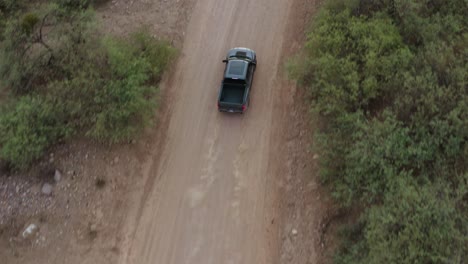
[60, 78]
[389, 80]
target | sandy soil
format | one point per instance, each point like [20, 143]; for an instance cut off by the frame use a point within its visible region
[202, 187]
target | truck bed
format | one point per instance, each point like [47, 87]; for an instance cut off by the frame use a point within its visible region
[232, 93]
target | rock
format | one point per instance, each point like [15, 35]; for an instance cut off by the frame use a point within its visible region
[30, 231]
[46, 189]
[116, 159]
[93, 228]
[57, 176]
[316, 156]
[294, 232]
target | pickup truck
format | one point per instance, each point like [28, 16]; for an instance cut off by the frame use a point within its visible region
[234, 93]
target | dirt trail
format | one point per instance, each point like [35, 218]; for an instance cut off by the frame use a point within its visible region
[207, 204]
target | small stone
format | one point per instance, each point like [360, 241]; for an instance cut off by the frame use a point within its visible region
[93, 228]
[57, 176]
[116, 159]
[133, 141]
[46, 189]
[294, 232]
[30, 231]
[316, 156]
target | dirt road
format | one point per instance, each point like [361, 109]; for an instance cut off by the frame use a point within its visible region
[207, 204]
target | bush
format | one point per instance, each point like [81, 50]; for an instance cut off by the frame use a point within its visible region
[414, 225]
[372, 153]
[7, 6]
[158, 53]
[125, 102]
[133, 67]
[417, 224]
[354, 61]
[105, 88]
[29, 22]
[389, 78]
[36, 52]
[29, 128]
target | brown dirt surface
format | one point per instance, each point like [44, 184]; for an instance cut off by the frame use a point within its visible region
[201, 187]
[306, 209]
[165, 18]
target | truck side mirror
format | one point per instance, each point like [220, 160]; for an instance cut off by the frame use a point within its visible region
[225, 61]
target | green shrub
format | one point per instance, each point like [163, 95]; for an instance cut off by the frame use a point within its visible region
[114, 98]
[32, 55]
[15, 67]
[414, 225]
[28, 128]
[376, 152]
[29, 22]
[389, 78]
[158, 53]
[352, 62]
[417, 225]
[105, 88]
[125, 101]
[8, 6]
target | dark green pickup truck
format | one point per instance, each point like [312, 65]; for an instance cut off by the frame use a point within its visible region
[234, 94]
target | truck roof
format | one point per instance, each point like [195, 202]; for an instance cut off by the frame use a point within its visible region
[236, 69]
